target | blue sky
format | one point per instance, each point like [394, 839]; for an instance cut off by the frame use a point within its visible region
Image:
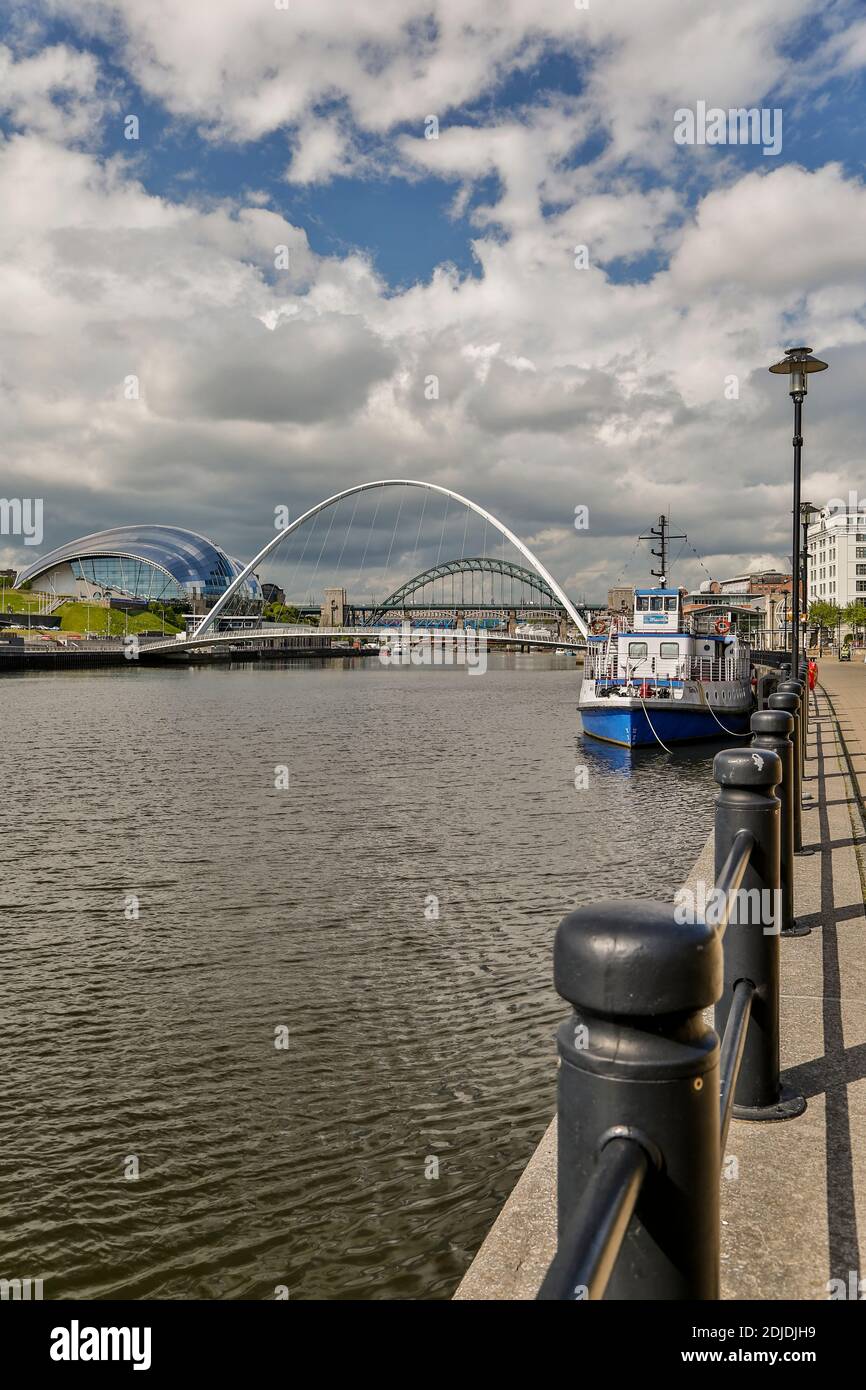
[407, 224]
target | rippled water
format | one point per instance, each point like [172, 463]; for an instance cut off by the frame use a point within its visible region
[412, 1037]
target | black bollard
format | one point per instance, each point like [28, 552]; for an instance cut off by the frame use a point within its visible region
[792, 688]
[772, 728]
[747, 779]
[638, 1058]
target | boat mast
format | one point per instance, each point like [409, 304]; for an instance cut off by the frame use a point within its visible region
[660, 533]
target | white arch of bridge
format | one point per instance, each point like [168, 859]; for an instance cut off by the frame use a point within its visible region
[281, 535]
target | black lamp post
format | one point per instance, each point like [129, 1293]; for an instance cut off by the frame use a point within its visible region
[797, 363]
[808, 513]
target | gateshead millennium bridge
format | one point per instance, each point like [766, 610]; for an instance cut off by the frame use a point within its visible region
[528, 589]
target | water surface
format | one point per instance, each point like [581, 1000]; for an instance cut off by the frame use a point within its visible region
[393, 909]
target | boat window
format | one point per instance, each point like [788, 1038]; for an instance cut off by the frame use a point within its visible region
[657, 604]
[669, 649]
[642, 603]
[671, 605]
[636, 650]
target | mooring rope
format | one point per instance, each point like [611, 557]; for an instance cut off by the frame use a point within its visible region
[748, 734]
[649, 721]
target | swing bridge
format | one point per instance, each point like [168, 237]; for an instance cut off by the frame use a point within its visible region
[485, 591]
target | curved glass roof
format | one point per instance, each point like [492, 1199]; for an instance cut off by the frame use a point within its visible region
[192, 560]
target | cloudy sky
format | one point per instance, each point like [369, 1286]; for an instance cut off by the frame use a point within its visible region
[283, 259]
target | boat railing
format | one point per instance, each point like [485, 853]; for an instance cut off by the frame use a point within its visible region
[646, 1090]
[599, 667]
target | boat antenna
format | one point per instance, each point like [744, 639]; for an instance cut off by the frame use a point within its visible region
[660, 533]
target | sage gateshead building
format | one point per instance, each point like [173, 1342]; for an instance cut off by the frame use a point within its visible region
[137, 565]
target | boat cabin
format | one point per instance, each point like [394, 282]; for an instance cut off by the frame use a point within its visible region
[657, 610]
[658, 645]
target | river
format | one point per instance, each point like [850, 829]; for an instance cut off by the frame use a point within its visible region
[277, 1012]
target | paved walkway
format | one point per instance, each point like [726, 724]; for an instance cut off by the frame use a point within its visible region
[794, 1198]
[793, 1207]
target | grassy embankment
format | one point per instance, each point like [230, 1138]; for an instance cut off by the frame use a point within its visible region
[78, 617]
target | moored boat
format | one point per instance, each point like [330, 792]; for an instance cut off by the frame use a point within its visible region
[653, 676]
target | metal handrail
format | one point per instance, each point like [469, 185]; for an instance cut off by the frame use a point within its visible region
[732, 873]
[585, 1258]
[731, 1054]
[733, 1045]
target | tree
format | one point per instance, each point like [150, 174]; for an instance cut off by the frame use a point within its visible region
[280, 613]
[855, 616]
[824, 616]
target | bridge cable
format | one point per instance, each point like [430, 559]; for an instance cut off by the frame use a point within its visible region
[367, 545]
[309, 530]
[394, 532]
[424, 495]
[442, 536]
[348, 529]
[334, 511]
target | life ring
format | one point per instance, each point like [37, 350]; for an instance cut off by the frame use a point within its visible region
[722, 626]
[598, 626]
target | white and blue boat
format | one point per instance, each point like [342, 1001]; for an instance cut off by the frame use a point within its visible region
[650, 679]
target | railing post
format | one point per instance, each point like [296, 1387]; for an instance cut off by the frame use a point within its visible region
[747, 779]
[772, 728]
[792, 688]
[638, 1059]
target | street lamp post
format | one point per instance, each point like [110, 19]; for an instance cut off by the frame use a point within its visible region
[797, 363]
[805, 515]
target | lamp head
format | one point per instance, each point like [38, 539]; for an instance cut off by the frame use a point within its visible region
[797, 363]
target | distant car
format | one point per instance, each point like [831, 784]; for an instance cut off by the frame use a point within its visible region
[845, 654]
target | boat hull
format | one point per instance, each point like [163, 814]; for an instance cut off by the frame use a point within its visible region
[630, 726]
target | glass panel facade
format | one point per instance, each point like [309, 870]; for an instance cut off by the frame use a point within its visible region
[121, 577]
[153, 563]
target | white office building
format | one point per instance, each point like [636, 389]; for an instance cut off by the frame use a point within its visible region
[837, 558]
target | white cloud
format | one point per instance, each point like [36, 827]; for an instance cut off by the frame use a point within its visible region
[557, 386]
[56, 92]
